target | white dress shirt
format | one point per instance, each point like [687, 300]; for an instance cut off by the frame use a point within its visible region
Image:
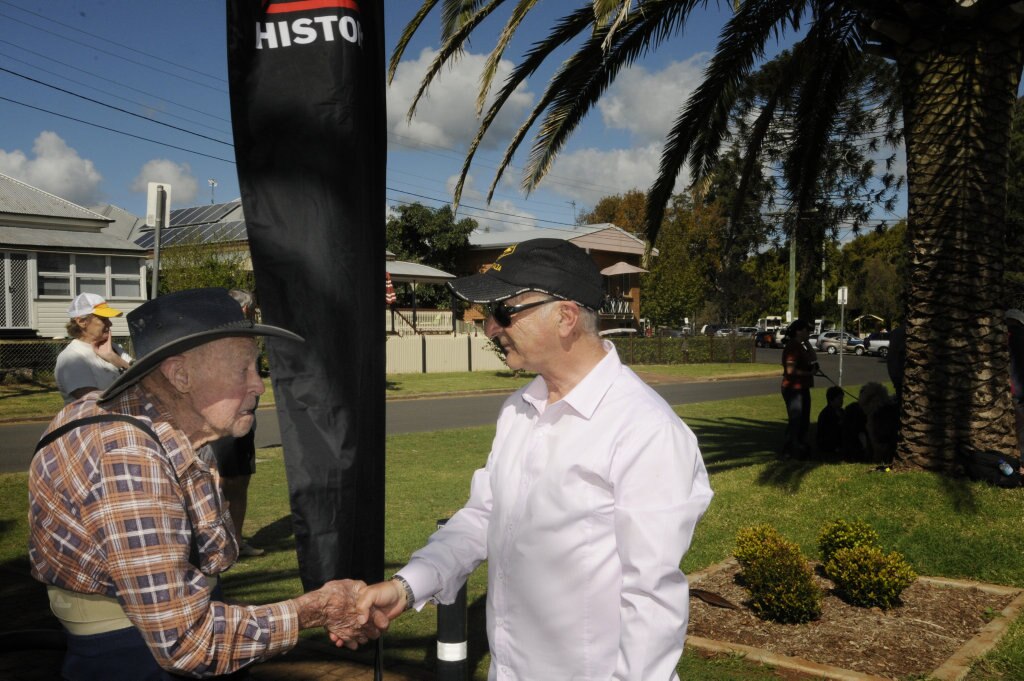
[583, 512]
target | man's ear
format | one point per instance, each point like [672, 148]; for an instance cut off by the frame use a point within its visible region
[568, 318]
[176, 370]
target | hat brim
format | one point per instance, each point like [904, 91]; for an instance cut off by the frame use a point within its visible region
[486, 288]
[107, 312]
[144, 365]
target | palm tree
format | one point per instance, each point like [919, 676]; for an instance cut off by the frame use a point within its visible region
[958, 66]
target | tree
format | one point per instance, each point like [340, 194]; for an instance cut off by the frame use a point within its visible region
[431, 237]
[958, 66]
[628, 211]
[197, 265]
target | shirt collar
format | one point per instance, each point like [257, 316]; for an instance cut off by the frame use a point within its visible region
[588, 393]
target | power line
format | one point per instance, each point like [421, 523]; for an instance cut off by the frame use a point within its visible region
[115, 108]
[113, 42]
[112, 54]
[120, 132]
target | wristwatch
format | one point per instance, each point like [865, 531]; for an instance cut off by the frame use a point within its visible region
[410, 598]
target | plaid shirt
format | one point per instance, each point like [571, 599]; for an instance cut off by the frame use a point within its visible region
[111, 513]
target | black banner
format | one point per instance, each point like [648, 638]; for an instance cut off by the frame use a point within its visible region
[307, 109]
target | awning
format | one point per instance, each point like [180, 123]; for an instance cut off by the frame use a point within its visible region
[621, 267]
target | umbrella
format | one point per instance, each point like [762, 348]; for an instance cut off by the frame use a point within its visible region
[389, 290]
[621, 267]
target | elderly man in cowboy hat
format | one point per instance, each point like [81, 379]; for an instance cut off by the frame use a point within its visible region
[589, 498]
[127, 529]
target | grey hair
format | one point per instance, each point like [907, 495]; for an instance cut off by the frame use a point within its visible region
[588, 320]
[246, 300]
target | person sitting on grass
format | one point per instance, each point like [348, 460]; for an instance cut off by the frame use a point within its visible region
[830, 423]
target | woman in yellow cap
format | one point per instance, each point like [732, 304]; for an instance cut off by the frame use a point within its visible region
[91, 361]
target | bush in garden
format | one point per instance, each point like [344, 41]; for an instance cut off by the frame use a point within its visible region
[781, 582]
[844, 534]
[867, 577]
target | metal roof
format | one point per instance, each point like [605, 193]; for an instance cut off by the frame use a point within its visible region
[401, 270]
[64, 239]
[18, 198]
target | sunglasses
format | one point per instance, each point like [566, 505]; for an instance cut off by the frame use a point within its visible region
[502, 313]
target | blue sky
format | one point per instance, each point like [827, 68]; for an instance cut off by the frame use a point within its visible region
[167, 61]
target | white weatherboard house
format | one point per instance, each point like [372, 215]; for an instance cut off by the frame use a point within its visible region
[50, 251]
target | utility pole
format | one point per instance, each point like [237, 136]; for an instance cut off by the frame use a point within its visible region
[213, 185]
[573, 204]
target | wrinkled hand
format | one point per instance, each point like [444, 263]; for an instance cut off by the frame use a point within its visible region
[333, 606]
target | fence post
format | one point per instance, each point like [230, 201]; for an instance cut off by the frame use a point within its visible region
[451, 636]
[423, 351]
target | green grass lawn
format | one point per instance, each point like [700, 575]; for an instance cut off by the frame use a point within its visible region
[25, 401]
[945, 527]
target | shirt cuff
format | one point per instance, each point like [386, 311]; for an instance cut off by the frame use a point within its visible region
[422, 577]
[282, 625]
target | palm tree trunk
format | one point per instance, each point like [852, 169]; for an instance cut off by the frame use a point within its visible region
[955, 392]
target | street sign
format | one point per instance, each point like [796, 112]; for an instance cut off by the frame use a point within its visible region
[842, 295]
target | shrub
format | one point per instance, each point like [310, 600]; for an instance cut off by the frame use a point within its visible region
[843, 534]
[781, 582]
[866, 577]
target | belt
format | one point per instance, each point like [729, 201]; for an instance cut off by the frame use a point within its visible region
[88, 614]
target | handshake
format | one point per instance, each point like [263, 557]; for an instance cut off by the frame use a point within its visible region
[352, 612]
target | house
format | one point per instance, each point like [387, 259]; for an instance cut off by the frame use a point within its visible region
[616, 252]
[50, 251]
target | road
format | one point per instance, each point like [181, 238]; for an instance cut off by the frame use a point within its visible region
[412, 416]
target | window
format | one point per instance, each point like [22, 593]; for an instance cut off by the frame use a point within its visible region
[66, 275]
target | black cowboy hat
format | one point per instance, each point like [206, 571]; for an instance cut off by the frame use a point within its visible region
[171, 324]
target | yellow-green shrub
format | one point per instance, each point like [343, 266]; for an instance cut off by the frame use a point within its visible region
[844, 534]
[867, 577]
[781, 582]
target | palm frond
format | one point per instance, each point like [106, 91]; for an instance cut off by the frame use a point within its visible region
[455, 14]
[407, 34]
[565, 30]
[699, 129]
[449, 49]
[588, 73]
[494, 58]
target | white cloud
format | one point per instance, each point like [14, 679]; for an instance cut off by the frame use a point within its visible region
[446, 114]
[55, 168]
[184, 186]
[587, 175]
[645, 103]
[501, 215]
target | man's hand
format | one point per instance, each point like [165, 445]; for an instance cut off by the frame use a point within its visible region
[387, 598]
[333, 606]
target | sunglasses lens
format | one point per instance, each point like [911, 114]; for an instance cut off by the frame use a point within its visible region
[501, 315]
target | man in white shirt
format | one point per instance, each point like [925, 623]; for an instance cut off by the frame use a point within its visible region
[589, 498]
[91, 361]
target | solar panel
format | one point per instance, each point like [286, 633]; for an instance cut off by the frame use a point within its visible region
[196, 215]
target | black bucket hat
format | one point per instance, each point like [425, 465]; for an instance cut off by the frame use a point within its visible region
[552, 266]
[171, 324]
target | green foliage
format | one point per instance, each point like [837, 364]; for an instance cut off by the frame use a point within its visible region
[845, 534]
[867, 577]
[196, 265]
[780, 580]
[688, 350]
[431, 237]
[628, 211]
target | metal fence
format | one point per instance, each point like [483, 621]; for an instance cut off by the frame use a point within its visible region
[34, 360]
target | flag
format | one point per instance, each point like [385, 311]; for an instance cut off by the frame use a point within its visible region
[389, 290]
[307, 110]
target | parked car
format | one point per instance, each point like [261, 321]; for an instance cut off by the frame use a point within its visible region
[669, 332]
[746, 330]
[725, 331]
[767, 339]
[820, 339]
[877, 343]
[850, 344]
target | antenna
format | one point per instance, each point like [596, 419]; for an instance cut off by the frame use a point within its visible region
[213, 186]
[573, 204]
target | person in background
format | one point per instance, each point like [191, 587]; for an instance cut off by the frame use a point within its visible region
[830, 423]
[236, 457]
[589, 498]
[91, 361]
[799, 364]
